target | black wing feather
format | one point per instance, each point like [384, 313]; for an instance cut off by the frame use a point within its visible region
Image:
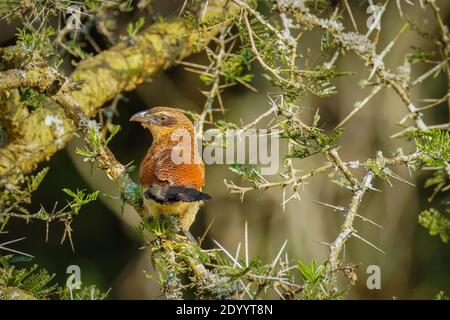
[170, 194]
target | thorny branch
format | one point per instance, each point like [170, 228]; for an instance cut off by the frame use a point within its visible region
[115, 70]
[363, 47]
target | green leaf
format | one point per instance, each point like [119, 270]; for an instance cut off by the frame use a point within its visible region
[114, 131]
[35, 181]
[247, 172]
[80, 198]
[133, 29]
[436, 223]
[434, 145]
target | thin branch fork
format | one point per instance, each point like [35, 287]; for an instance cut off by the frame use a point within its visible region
[368, 54]
[332, 154]
[106, 158]
[337, 245]
[282, 184]
[347, 229]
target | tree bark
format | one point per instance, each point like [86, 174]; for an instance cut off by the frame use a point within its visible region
[32, 137]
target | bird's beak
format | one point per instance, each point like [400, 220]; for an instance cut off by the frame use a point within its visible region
[142, 117]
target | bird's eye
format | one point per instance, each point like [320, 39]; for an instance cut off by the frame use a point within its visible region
[162, 117]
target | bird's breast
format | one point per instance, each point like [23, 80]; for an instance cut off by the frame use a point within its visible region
[158, 167]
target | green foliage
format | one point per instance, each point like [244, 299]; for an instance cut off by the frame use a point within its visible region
[13, 200]
[80, 198]
[32, 282]
[279, 60]
[441, 296]
[159, 227]
[311, 273]
[96, 141]
[417, 29]
[34, 181]
[39, 42]
[247, 172]
[39, 34]
[225, 275]
[379, 170]
[13, 197]
[234, 66]
[190, 20]
[320, 5]
[133, 28]
[114, 131]
[420, 55]
[326, 42]
[31, 98]
[225, 125]
[435, 146]
[90, 292]
[436, 223]
[312, 276]
[311, 142]
[19, 283]
[439, 180]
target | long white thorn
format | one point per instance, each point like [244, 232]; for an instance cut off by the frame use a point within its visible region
[237, 254]
[227, 253]
[367, 242]
[278, 255]
[246, 244]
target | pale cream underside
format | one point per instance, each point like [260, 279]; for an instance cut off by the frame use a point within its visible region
[185, 210]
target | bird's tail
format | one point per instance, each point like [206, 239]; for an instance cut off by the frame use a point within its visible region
[170, 194]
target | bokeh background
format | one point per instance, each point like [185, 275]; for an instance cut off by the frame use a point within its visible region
[107, 247]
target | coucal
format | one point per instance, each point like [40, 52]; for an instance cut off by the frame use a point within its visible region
[172, 172]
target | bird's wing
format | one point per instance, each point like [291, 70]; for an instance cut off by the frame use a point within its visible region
[169, 194]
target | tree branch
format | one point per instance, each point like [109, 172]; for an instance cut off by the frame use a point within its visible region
[34, 137]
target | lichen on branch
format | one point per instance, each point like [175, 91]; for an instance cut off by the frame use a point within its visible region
[34, 137]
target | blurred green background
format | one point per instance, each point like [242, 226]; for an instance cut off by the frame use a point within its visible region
[107, 247]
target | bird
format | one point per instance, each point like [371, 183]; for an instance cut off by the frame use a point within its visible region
[172, 172]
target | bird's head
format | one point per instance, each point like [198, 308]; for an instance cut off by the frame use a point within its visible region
[162, 121]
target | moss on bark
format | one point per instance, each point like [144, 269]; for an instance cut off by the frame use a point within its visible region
[35, 136]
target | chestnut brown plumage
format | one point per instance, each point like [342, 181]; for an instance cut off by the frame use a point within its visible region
[173, 180]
